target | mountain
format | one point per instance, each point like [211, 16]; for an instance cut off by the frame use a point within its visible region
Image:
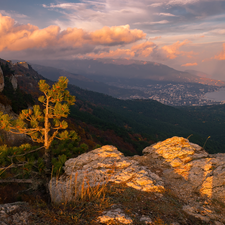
[86, 83]
[198, 73]
[133, 124]
[128, 69]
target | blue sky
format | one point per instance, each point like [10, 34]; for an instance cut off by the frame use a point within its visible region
[184, 34]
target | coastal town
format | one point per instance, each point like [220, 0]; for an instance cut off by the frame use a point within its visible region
[176, 94]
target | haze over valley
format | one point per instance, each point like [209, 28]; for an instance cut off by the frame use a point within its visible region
[135, 80]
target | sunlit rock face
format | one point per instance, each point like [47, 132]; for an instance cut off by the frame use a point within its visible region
[102, 165]
[24, 64]
[2, 84]
[189, 167]
[115, 215]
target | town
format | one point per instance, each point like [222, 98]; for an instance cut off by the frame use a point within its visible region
[174, 94]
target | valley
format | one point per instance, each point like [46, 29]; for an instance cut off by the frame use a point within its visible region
[168, 93]
[175, 93]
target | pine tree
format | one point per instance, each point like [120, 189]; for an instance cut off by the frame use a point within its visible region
[43, 126]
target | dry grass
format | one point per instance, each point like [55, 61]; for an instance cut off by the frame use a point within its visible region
[92, 201]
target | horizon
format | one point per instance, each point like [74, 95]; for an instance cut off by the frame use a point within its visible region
[184, 35]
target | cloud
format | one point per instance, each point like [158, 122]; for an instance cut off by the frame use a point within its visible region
[142, 50]
[118, 35]
[152, 23]
[20, 37]
[182, 2]
[155, 38]
[190, 64]
[165, 14]
[138, 50]
[172, 51]
[13, 13]
[158, 4]
[221, 56]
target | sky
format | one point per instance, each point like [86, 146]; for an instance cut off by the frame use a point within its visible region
[183, 34]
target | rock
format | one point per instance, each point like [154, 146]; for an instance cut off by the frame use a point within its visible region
[202, 172]
[9, 138]
[14, 213]
[147, 220]
[174, 168]
[12, 139]
[2, 84]
[194, 212]
[115, 215]
[24, 64]
[100, 166]
[7, 109]
[13, 81]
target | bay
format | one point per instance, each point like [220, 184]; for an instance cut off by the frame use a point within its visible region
[216, 96]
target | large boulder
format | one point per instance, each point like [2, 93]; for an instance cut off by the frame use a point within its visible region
[2, 84]
[100, 166]
[189, 166]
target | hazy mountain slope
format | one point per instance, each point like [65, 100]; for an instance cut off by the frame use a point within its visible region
[128, 69]
[86, 83]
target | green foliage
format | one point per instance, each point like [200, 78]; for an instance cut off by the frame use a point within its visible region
[44, 125]
[26, 161]
[23, 156]
[63, 150]
[70, 148]
[57, 164]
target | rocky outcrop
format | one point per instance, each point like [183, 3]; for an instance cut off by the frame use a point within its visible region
[189, 166]
[24, 64]
[101, 166]
[13, 81]
[176, 165]
[2, 84]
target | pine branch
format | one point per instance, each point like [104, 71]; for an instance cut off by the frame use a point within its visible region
[25, 153]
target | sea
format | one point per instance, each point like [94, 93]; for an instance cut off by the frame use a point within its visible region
[218, 96]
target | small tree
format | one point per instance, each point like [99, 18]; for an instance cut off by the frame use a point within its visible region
[43, 126]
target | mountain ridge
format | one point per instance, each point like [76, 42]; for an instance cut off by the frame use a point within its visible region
[136, 69]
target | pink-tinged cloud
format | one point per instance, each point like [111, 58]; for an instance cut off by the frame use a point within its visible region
[221, 56]
[15, 37]
[117, 34]
[172, 51]
[190, 64]
[138, 50]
